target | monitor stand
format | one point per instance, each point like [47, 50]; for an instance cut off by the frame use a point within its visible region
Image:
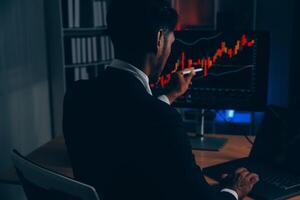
[201, 142]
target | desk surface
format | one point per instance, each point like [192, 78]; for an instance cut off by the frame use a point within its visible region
[53, 155]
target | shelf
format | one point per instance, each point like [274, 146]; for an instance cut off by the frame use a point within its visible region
[88, 64]
[84, 31]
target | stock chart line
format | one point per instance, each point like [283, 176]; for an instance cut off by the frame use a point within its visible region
[206, 63]
[229, 72]
[199, 40]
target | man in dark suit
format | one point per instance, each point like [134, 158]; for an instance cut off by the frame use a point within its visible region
[122, 140]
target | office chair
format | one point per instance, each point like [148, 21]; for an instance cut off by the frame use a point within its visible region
[40, 183]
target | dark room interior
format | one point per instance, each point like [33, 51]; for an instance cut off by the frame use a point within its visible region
[60, 65]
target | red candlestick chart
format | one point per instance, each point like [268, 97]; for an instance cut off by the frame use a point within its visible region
[224, 53]
[231, 69]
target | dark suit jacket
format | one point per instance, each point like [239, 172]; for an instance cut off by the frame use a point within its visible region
[128, 144]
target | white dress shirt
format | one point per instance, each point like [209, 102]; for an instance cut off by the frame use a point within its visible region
[141, 76]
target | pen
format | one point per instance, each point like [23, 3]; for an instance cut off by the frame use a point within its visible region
[189, 71]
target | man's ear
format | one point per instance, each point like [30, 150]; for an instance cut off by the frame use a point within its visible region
[160, 41]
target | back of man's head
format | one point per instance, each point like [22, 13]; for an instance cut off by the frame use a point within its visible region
[133, 25]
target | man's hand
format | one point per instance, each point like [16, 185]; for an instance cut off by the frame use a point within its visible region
[242, 181]
[180, 85]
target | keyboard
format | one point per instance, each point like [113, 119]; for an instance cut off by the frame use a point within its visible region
[282, 182]
[273, 185]
[275, 178]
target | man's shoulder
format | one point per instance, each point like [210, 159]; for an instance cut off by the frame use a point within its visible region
[160, 109]
[135, 98]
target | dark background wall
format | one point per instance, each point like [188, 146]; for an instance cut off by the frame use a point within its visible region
[277, 17]
[24, 96]
[295, 66]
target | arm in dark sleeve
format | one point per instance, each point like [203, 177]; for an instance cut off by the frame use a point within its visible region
[183, 176]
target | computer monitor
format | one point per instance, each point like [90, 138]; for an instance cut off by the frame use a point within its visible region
[232, 69]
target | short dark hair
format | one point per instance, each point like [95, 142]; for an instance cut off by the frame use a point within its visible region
[133, 24]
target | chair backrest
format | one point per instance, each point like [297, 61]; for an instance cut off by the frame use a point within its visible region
[40, 183]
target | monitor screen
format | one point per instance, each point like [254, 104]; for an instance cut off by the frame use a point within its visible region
[231, 69]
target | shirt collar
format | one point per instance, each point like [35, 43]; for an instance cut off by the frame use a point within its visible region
[139, 74]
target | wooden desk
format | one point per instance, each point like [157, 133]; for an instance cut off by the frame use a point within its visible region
[53, 155]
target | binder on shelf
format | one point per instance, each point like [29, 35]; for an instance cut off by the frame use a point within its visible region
[78, 46]
[86, 52]
[83, 74]
[89, 50]
[107, 51]
[96, 13]
[84, 14]
[112, 50]
[103, 51]
[74, 51]
[71, 13]
[100, 10]
[76, 74]
[101, 17]
[77, 13]
[95, 50]
[83, 50]
[104, 4]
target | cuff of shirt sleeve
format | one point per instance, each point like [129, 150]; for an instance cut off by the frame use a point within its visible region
[165, 99]
[234, 193]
